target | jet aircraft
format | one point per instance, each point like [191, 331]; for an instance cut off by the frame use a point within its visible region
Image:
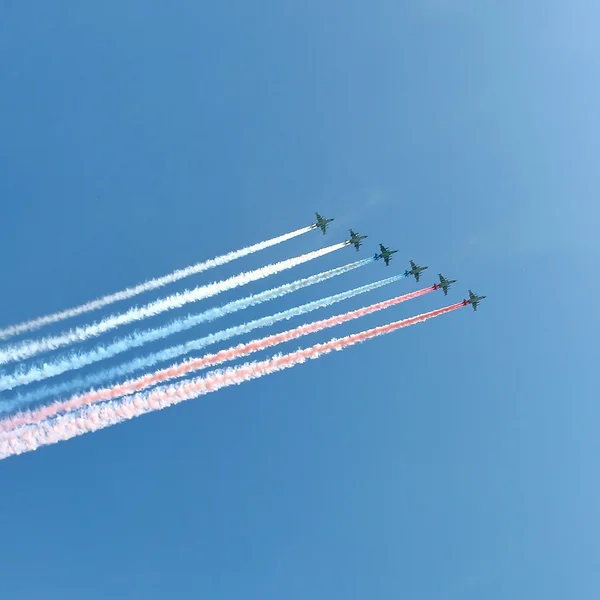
[444, 284]
[322, 223]
[355, 239]
[473, 300]
[386, 254]
[415, 270]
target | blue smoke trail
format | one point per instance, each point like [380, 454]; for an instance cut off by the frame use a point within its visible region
[77, 361]
[195, 345]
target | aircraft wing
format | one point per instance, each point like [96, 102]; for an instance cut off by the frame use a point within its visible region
[413, 265]
[387, 260]
[382, 248]
[417, 276]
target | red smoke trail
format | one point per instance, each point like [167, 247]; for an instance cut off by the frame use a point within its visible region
[209, 360]
[104, 415]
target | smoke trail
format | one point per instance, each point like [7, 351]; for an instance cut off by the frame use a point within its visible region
[77, 361]
[148, 285]
[110, 413]
[30, 348]
[211, 360]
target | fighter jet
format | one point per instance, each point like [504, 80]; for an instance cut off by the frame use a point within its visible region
[386, 254]
[415, 270]
[322, 223]
[444, 284]
[355, 239]
[473, 300]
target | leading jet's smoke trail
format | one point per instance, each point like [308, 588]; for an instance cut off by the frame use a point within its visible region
[147, 286]
[110, 413]
[30, 348]
[209, 360]
[139, 338]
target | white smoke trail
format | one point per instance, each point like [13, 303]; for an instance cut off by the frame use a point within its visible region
[139, 338]
[30, 348]
[152, 284]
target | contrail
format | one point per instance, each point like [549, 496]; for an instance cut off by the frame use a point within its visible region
[110, 413]
[211, 360]
[30, 348]
[147, 286]
[139, 338]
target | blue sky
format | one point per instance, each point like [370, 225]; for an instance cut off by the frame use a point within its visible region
[453, 460]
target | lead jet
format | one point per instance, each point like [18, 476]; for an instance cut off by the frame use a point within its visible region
[444, 284]
[415, 270]
[473, 300]
[355, 239]
[386, 254]
[322, 223]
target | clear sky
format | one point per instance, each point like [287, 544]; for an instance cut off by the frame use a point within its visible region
[455, 460]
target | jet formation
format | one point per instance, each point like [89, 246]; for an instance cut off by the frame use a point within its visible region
[385, 254]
